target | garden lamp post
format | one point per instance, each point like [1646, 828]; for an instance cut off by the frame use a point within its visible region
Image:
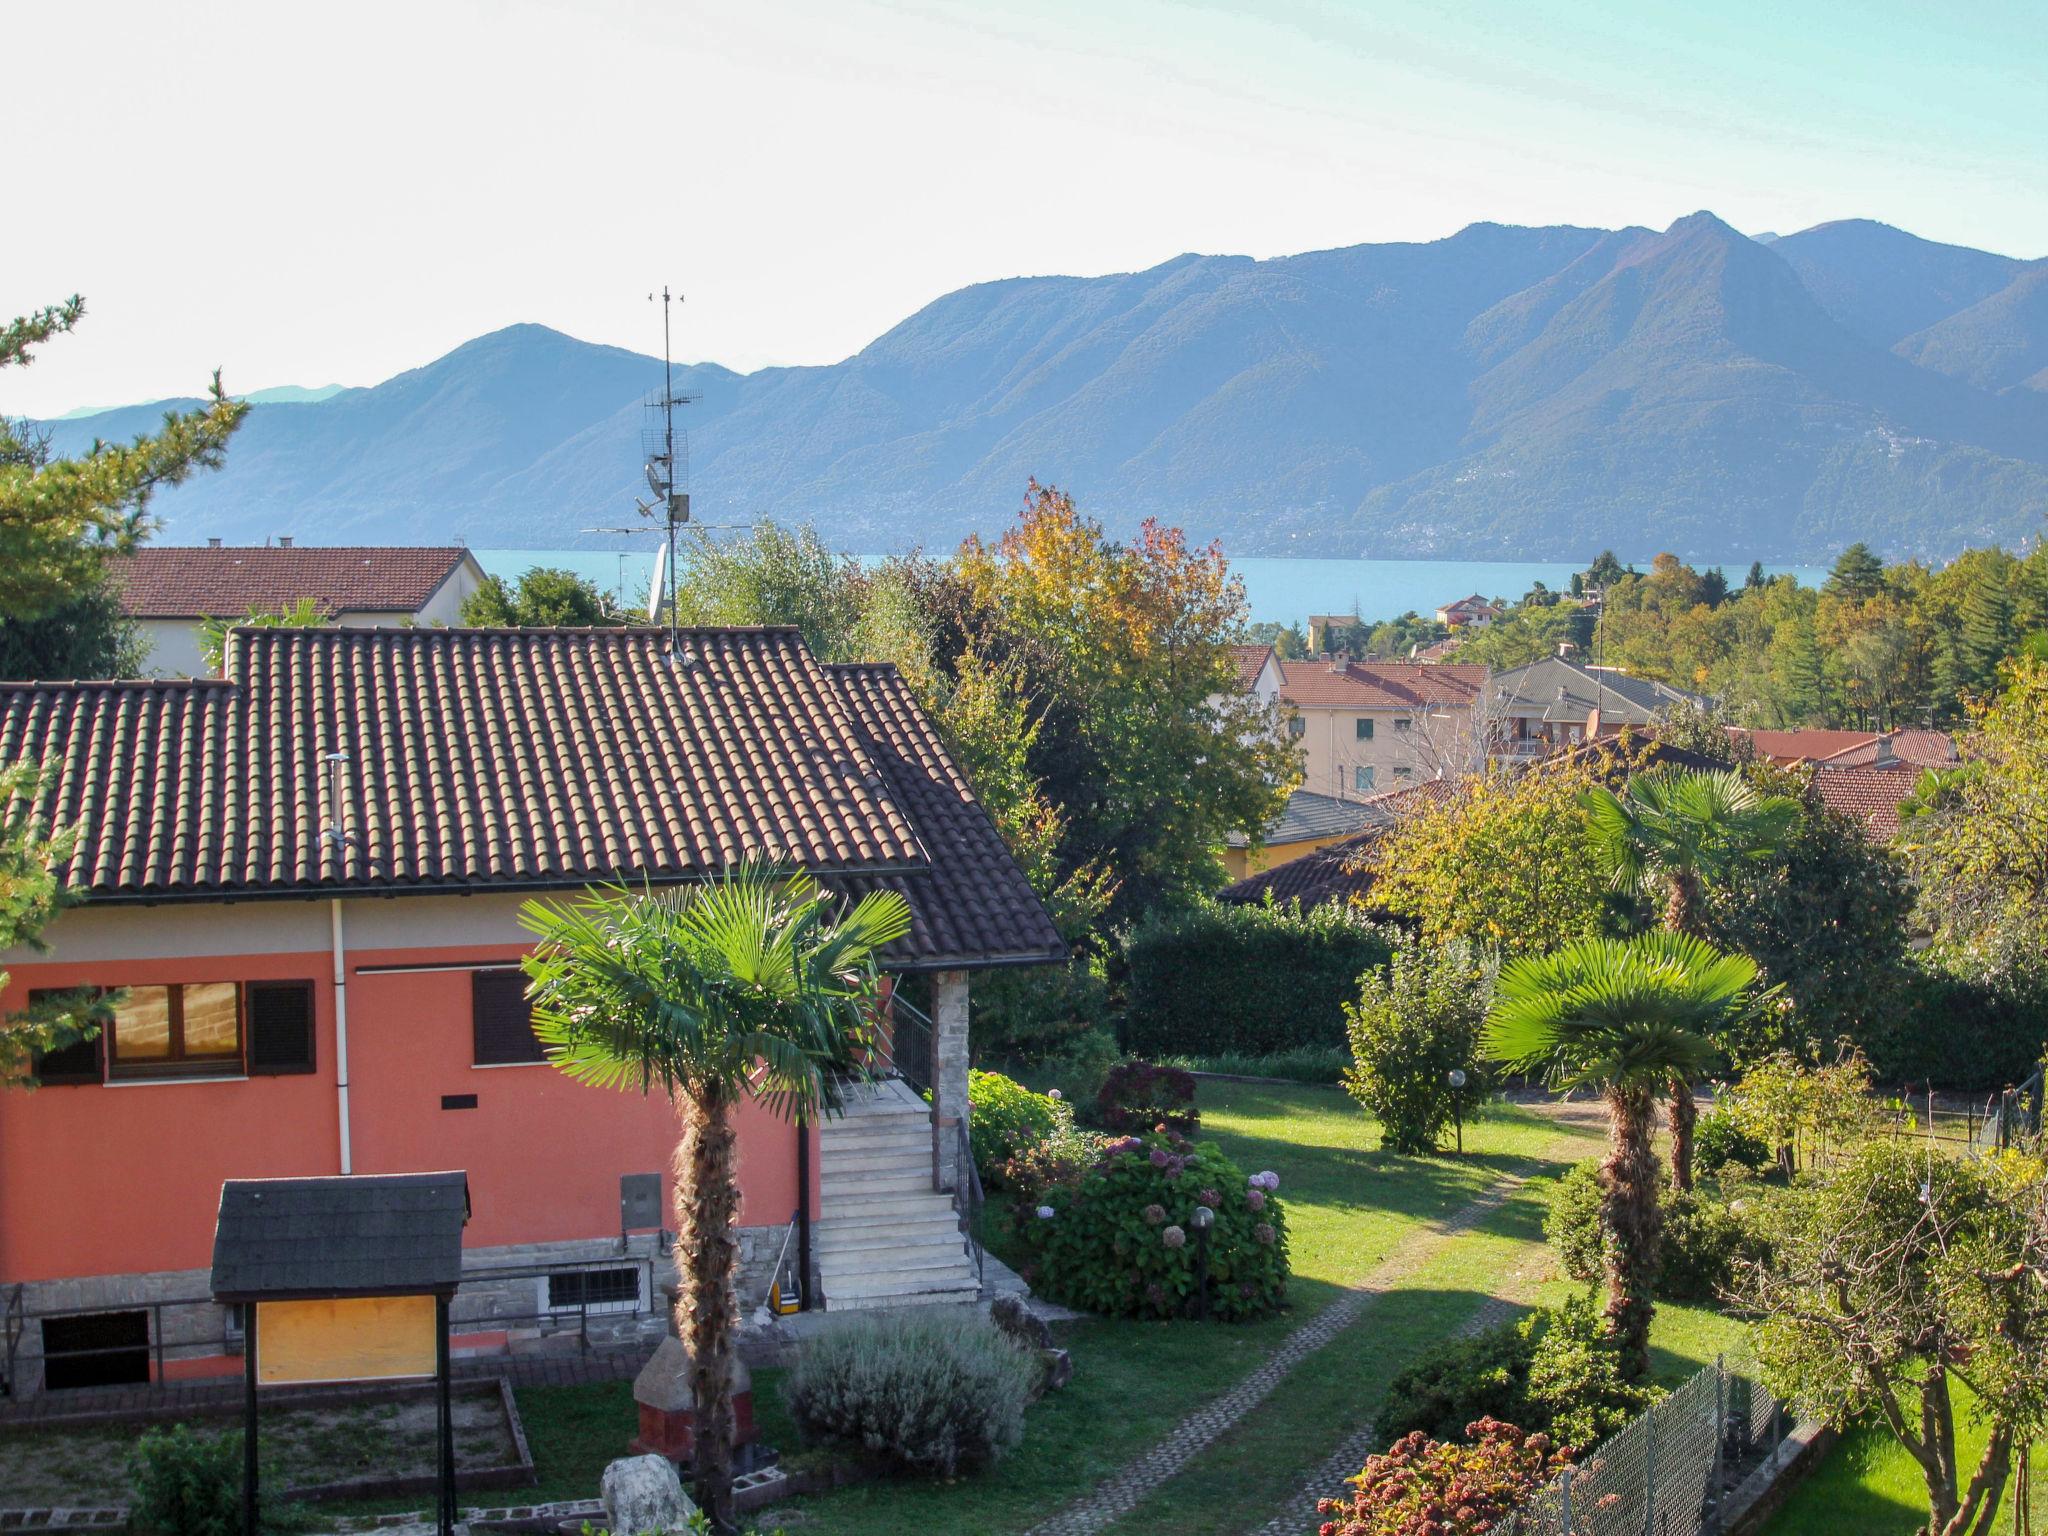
[1201, 1221]
[1456, 1078]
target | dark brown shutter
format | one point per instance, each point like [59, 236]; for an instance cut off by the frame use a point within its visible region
[78, 1062]
[504, 1022]
[280, 1027]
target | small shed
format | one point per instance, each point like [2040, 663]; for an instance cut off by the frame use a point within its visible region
[342, 1279]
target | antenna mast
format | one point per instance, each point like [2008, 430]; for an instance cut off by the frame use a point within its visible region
[668, 472]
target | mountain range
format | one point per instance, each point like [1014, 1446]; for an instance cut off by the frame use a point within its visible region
[1525, 393]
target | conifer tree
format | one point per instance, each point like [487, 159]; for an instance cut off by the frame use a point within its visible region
[1858, 574]
[61, 518]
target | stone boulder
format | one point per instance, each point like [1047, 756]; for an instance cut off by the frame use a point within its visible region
[643, 1494]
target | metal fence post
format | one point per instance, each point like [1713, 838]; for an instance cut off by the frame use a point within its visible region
[1650, 1472]
[1720, 1433]
[1564, 1493]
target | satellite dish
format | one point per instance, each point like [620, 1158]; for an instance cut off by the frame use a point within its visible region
[654, 481]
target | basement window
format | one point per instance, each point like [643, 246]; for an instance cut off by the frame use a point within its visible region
[96, 1349]
[595, 1290]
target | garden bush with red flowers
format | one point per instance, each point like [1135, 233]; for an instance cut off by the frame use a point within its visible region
[1121, 1240]
[1425, 1487]
[1138, 1096]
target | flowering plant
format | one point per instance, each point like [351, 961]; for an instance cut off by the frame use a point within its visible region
[1123, 1240]
[1425, 1487]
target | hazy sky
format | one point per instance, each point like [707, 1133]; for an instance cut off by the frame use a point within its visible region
[311, 194]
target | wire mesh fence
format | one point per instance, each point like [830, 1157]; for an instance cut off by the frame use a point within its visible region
[1663, 1474]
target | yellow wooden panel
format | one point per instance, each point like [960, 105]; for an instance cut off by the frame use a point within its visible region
[358, 1338]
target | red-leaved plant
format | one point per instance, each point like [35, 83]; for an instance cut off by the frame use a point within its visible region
[1425, 1487]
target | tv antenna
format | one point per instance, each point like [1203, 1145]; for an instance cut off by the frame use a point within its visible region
[667, 452]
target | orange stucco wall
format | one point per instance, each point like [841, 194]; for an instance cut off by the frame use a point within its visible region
[126, 1178]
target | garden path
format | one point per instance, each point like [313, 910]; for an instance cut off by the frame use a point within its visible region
[1121, 1492]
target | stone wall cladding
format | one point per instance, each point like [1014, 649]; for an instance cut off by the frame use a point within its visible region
[949, 1071]
[194, 1327]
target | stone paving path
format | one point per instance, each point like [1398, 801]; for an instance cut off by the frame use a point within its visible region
[1126, 1488]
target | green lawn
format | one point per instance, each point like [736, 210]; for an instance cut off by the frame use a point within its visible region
[1869, 1486]
[1349, 1207]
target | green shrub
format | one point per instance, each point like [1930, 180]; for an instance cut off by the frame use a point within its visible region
[1138, 1096]
[1455, 1381]
[1576, 1388]
[1121, 1241]
[1005, 1117]
[1249, 980]
[922, 1393]
[1720, 1140]
[1414, 1026]
[1572, 1223]
[1705, 1233]
[1078, 1067]
[1318, 1064]
[1424, 1487]
[1960, 1030]
[1057, 1162]
[187, 1483]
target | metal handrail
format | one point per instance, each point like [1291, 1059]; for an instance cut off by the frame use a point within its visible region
[968, 1199]
[914, 1065]
[15, 1324]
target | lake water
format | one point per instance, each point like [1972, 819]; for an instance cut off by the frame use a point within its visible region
[1277, 589]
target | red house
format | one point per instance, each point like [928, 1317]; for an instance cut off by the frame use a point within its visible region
[305, 878]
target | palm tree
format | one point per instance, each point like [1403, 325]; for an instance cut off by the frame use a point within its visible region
[745, 987]
[1627, 1017]
[1673, 835]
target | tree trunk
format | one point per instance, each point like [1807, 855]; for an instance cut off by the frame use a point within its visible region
[707, 1313]
[1684, 1114]
[1629, 1211]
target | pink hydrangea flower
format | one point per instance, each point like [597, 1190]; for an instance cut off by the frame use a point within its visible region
[1159, 1157]
[1173, 1237]
[1256, 1199]
[1154, 1214]
[1264, 1233]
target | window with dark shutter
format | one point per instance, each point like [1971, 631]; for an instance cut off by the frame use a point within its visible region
[280, 1027]
[78, 1062]
[503, 1020]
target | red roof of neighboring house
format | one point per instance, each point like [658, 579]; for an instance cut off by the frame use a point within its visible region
[1788, 747]
[1251, 661]
[164, 581]
[1379, 684]
[1924, 749]
[1871, 795]
[1338, 872]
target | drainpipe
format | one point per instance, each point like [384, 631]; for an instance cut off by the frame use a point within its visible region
[803, 1211]
[341, 1035]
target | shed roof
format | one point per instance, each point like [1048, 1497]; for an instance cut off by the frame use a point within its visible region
[390, 1234]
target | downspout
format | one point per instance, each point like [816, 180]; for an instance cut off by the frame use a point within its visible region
[803, 1211]
[341, 1035]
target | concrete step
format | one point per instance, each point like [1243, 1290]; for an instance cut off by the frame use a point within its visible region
[849, 1164]
[883, 1205]
[880, 1228]
[862, 1264]
[907, 1288]
[876, 1128]
[905, 1181]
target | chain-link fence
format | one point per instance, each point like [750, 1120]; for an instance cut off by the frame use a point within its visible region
[1663, 1474]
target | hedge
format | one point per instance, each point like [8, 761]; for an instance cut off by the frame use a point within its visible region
[1250, 980]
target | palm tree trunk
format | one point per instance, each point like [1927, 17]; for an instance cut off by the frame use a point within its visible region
[1682, 915]
[1629, 1211]
[1684, 1114]
[707, 1313]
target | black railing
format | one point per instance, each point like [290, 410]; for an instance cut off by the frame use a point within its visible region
[968, 1199]
[906, 1051]
[12, 1330]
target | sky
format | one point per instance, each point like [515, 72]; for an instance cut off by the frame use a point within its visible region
[333, 194]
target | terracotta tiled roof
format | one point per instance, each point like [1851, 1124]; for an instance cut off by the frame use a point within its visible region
[181, 582]
[1559, 689]
[1251, 661]
[1787, 747]
[476, 758]
[1924, 749]
[975, 907]
[1871, 795]
[1379, 684]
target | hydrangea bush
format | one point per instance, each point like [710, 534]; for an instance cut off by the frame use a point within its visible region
[1425, 1487]
[1122, 1240]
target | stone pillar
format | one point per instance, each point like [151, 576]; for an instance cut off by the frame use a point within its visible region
[949, 1071]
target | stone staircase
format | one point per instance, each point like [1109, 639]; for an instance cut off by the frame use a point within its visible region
[885, 1237]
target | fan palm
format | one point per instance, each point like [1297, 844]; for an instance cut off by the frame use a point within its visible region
[745, 987]
[1671, 836]
[1625, 1017]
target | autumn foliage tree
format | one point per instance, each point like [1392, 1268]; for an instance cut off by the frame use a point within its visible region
[1500, 859]
[1425, 1487]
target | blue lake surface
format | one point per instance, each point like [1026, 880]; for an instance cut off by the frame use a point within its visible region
[1278, 589]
